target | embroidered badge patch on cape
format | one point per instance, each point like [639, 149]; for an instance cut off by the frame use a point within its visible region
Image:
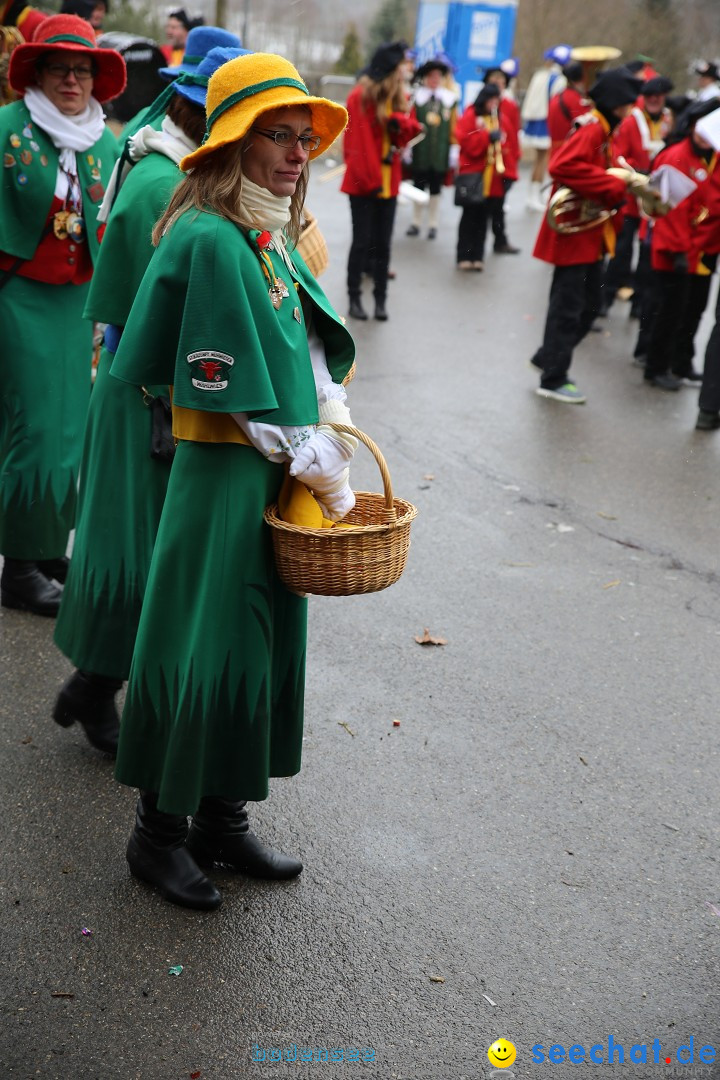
[207, 372]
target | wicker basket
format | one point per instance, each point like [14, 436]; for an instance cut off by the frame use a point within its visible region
[312, 246]
[344, 562]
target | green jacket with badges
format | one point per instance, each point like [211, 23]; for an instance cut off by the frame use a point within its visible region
[127, 245]
[30, 162]
[203, 320]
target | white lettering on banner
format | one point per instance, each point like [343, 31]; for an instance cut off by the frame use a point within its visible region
[484, 32]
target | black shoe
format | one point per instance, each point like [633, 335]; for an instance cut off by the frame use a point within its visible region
[89, 700]
[412, 230]
[380, 313]
[23, 587]
[220, 836]
[707, 421]
[690, 378]
[506, 249]
[54, 569]
[356, 310]
[432, 233]
[156, 854]
[663, 382]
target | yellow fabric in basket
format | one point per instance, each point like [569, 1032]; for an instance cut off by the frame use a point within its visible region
[298, 506]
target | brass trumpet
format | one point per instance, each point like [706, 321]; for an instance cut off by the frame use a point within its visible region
[570, 213]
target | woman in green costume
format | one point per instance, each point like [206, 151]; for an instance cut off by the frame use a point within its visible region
[122, 487]
[57, 158]
[229, 314]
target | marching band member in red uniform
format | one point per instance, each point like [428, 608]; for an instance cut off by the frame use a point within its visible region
[682, 265]
[567, 105]
[639, 138]
[510, 125]
[581, 164]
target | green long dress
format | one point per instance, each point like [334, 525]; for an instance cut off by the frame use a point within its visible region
[122, 489]
[215, 698]
[45, 346]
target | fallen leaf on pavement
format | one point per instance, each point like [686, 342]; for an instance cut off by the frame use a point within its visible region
[437, 978]
[428, 639]
[612, 584]
[342, 724]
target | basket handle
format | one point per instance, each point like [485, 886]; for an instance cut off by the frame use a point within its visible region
[389, 513]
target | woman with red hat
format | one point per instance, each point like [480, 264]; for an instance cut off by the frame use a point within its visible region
[57, 158]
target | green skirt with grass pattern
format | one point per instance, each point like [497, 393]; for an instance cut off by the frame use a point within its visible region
[45, 373]
[214, 704]
[122, 490]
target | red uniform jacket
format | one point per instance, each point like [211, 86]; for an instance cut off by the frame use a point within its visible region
[475, 149]
[678, 231]
[563, 110]
[631, 140]
[363, 146]
[581, 163]
[511, 125]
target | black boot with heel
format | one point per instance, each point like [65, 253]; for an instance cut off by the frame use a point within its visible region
[89, 700]
[220, 836]
[25, 588]
[157, 855]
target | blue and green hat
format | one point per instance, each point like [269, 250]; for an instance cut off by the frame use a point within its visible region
[200, 41]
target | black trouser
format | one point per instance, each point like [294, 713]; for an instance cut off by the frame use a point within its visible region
[647, 299]
[372, 225]
[497, 215]
[619, 272]
[472, 231]
[698, 293]
[710, 391]
[671, 291]
[430, 179]
[574, 303]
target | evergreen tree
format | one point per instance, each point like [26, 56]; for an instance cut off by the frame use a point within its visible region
[350, 60]
[393, 22]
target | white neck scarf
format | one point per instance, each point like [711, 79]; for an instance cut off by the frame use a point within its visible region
[267, 211]
[171, 141]
[68, 133]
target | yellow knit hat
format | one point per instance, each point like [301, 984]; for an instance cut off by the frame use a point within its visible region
[244, 88]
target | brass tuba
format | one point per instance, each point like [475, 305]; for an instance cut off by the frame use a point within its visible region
[570, 213]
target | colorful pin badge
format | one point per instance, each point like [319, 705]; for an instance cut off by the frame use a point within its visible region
[15, 140]
[296, 314]
[21, 179]
[43, 160]
[25, 157]
[95, 173]
[90, 159]
[27, 132]
[8, 161]
[34, 146]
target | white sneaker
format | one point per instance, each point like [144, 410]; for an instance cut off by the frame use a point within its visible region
[568, 393]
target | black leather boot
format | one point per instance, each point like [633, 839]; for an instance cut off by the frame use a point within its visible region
[380, 312]
[89, 700]
[356, 310]
[54, 569]
[220, 835]
[23, 587]
[156, 854]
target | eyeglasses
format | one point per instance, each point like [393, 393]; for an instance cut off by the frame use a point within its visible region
[61, 71]
[288, 140]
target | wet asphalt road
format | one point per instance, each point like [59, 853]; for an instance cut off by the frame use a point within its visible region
[530, 853]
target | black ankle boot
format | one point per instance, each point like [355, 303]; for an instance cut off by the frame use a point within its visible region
[90, 700]
[23, 587]
[356, 310]
[156, 854]
[220, 834]
[54, 569]
[380, 313]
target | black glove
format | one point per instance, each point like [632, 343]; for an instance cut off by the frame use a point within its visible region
[393, 125]
[495, 136]
[680, 262]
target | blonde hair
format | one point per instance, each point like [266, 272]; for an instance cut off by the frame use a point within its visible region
[391, 91]
[215, 184]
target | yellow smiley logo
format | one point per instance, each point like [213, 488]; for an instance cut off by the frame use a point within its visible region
[501, 1054]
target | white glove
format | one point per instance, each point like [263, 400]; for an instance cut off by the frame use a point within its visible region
[322, 460]
[322, 466]
[454, 156]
